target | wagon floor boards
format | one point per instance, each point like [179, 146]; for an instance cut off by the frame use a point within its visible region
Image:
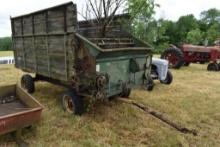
[12, 107]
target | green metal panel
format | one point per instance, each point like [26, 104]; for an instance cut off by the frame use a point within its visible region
[118, 71]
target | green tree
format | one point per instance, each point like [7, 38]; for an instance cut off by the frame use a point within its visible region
[141, 12]
[210, 16]
[203, 26]
[5, 44]
[213, 33]
[195, 37]
[141, 9]
[146, 31]
[169, 31]
[184, 25]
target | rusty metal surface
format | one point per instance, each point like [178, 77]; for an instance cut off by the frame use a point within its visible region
[12, 107]
[18, 114]
[196, 48]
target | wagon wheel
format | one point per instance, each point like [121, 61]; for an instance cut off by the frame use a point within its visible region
[72, 103]
[68, 103]
[213, 67]
[27, 82]
[125, 91]
[174, 56]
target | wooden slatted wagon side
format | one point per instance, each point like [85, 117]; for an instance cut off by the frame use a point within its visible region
[56, 47]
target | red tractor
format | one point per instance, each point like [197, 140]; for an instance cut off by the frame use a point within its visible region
[187, 53]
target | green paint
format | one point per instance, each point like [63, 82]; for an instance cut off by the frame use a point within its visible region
[119, 71]
[125, 66]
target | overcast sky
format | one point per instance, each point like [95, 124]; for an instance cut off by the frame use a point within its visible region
[169, 9]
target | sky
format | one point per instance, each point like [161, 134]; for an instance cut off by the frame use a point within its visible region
[169, 9]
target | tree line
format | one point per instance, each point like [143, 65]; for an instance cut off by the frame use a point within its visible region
[187, 29]
[5, 44]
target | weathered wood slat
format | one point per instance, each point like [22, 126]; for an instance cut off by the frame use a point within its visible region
[17, 27]
[45, 34]
[43, 41]
[27, 25]
[115, 45]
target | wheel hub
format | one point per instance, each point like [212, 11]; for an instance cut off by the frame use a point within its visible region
[171, 58]
[68, 103]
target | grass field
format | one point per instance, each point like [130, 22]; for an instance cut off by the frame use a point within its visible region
[192, 100]
[6, 53]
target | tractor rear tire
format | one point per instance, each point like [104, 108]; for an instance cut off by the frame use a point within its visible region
[174, 56]
[168, 79]
[27, 82]
[73, 103]
[213, 67]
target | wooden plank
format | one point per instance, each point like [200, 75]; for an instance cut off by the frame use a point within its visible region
[17, 27]
[40, 24]
[27, 99]
[44, 34]
[27, 25]
[71, 18]
[160, 116]
[56, 20]
[33, 40]
[65, 42]
[45, 41]
[22, 33]
[13, 39]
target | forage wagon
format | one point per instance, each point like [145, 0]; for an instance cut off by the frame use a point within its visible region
[56, 47]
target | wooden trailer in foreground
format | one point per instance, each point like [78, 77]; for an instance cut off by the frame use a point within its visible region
[18, 109]
[56, 47]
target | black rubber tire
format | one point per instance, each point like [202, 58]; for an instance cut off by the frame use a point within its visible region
[186, 64]
[77, 102]
[178, 53]
[213, 67]
[150, 84]
[27, 82]
[125, 91]
[168, 80]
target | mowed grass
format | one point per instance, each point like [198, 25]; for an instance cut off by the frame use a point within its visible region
[192, 100]
[6, 53]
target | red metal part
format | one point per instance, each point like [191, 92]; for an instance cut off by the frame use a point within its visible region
[202, 54]
[19, 120]
[11, 118]
[171, 57]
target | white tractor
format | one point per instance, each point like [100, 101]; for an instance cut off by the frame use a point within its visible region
[160, 71]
